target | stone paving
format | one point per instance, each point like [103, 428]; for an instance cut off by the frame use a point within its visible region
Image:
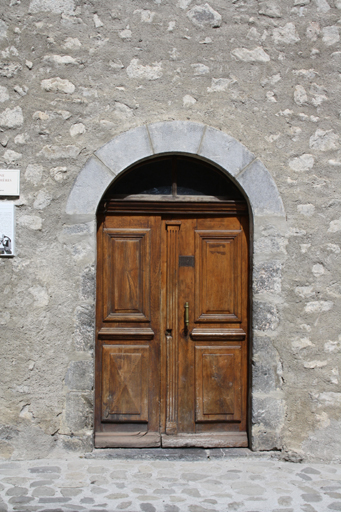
[201, 482]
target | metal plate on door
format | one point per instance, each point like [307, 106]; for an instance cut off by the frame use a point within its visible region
[186, 261]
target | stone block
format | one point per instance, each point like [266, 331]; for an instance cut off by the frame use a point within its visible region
[265, 364]
[204, 16]
[19, 501]
[70, 491]
[176, 136]
[270, 246]
[78, 411]
[88, 281]
[126, 149]
[267, 277]
[267, 411]
[57, 84]
[266, 440]
[138, 71]
[89, 188]
[270, 8]
[261, 190]
[72, 230]
[264, 344]
[264, 377]
[84, 327]
[55, 6]
[68, 152]
[17, 491]
[33, 222]
[83, 443]
[225, 151]
[45, 470]
[265, 316]
[255, 55]
[79, 376]
[11, 118]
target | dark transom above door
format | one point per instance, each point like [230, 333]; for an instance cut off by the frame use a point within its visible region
[176, 177]
[172, 283]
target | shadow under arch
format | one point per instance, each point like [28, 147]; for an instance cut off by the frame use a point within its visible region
[174, 177]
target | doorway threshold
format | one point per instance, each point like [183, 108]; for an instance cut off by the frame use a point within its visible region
[206, 440]
[189, 454]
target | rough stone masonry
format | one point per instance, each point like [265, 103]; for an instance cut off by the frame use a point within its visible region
[75, 74]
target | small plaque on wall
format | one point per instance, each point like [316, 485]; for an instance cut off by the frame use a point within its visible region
[9, 182]
[7, 229]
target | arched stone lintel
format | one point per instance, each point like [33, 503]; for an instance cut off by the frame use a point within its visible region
[190, 138]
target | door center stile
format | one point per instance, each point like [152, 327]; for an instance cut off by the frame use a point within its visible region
[172, 341]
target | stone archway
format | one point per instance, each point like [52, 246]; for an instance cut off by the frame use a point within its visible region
[196, 139]
[267, 213]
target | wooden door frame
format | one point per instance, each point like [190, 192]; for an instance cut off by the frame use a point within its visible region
[175, 208]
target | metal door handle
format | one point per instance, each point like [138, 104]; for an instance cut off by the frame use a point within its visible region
[186, 315]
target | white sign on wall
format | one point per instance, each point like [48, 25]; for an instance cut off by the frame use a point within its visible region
[9, 182]
[7, 229]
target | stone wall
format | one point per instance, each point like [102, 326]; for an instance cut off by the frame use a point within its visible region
[74, 75]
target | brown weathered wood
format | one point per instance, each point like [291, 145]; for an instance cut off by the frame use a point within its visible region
[125, 382]
[218, 276]
[186, 380]
[173, 228]
[126, 333]
[212, 376]
[217, 379]
[128, 336]
[126, 440]
[191, 388]
[127, 292]
[229, 440]
[201, 334]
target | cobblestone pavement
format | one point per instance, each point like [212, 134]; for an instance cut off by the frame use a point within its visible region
[200, 482]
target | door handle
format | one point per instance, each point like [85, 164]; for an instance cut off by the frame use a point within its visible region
[186, 315]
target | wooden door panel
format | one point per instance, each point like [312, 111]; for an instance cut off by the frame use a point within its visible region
[128, 336]
[213, 350]
[155, 376]
[125, 383]
[218, 383]
[127, 275]
[218, 276]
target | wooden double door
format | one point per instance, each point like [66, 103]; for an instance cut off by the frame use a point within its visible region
[172, 311]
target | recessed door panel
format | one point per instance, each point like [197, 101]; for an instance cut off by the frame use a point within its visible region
[218, 383]
[125, 383]
[218, 277]
[127, 273]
